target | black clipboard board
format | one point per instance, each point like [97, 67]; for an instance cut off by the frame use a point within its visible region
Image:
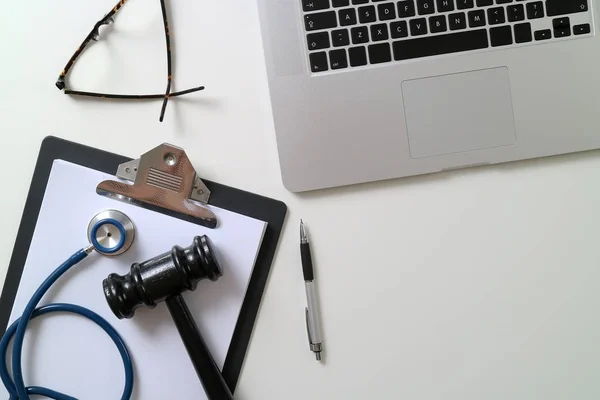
[238, 201]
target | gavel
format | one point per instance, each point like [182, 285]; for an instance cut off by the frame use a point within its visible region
[165, 278]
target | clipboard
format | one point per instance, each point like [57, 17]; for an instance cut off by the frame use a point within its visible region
[271, 211]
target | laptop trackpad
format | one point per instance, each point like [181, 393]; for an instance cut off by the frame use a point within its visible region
[459, 112]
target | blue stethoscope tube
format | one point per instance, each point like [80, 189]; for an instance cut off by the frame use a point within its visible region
[16, 386]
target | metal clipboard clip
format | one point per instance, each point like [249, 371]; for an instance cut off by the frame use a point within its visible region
[162, 178]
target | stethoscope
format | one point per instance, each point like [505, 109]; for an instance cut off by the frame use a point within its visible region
[110, 233]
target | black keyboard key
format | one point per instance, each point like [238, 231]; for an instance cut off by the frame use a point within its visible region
[322, 20]
[581, 29]
[523, 33]
[515, 12]
[386, 11]
[360, 1]
[561, 27]
[340, 37]
[360, 34]
[535, 10]
[379, 32]
[562, 7]
[340, 3]
[418, 26]
[347, 16]
[438, 24]
[318, 62]
[503, 1]
[561, 22]
[318, 41]
[337, 59]
[496, 15]
[464, 4]
[366, 14]
[425, 7]
[399, 29]
[358, 56]
[501, 36]
[314, 5]
[484, 3]
[406, 8]
[543, 34]
[445, 5]
[476, 18]
[380, 53]
[457, 21]
[440, 44]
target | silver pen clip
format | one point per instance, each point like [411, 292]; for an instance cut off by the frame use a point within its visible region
[310, 341]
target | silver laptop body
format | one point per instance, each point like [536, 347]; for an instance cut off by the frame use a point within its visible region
[365, 90]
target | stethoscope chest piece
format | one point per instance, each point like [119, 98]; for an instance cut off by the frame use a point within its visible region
[111, 232]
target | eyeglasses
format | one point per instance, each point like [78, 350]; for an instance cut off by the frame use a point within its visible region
[94, 35]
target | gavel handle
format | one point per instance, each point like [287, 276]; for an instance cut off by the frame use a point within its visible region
[208, 372]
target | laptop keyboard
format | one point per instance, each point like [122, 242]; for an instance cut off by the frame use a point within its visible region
[343, 34]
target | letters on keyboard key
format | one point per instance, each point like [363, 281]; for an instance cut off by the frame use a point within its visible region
[399, 29]
[476, 18]
[360, 34]
[379, 32]
[425, 7]
[353, 33]
[386, 11]
[347, 16]
[437, 24]
[406, 8]
[445, 5]
[418, 26]
[440, 44]
[338, 59]
[318, 62]
[457, 21]
[367, 14]
[464, 4]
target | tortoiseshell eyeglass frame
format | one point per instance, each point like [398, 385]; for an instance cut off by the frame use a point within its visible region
[94, 35]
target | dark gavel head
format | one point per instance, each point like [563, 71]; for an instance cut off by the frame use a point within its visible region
[159, 278]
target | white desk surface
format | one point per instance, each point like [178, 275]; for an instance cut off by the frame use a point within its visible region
[479, 283]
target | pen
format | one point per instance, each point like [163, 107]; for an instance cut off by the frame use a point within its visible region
[313, 324]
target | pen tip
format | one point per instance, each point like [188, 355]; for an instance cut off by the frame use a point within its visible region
[318, 356]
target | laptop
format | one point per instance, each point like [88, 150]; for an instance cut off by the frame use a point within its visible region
[365, 90]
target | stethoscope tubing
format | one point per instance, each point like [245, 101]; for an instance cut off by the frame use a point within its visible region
[15, 385]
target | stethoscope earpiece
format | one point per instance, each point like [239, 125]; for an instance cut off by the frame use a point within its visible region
[111, 232]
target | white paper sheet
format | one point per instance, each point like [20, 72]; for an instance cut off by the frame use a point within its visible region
[71, 354]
